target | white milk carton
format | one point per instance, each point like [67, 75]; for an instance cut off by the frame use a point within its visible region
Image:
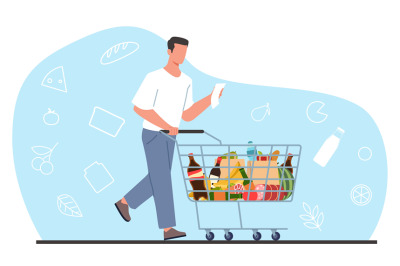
[329, 147]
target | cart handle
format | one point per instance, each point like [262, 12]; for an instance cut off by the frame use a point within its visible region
[191, 131]
[186, 131]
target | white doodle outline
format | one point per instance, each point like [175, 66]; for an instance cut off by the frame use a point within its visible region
[65, 82]
[109, 51]
[370, 156]
[318, 112]
[314, 219]
[267, 111]
[361, 195]
[51, 112]
[108, 112]
[90, 183]
[66, 196]
[48, 156]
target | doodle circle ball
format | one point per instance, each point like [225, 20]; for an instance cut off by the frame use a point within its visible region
[365, 153]
[361, 195]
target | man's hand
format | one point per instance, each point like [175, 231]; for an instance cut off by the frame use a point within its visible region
[173, 131]
[198, 107]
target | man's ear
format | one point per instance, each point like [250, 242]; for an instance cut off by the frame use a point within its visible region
[169, 52]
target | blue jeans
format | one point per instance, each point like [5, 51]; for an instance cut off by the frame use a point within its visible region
[159, 150]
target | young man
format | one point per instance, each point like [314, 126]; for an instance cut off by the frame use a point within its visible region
[164, 97]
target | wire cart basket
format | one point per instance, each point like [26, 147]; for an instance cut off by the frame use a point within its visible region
[261, 180]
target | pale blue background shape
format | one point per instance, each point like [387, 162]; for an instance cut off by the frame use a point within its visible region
[112, 88]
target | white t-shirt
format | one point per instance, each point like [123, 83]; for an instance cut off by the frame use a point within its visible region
[167, 95]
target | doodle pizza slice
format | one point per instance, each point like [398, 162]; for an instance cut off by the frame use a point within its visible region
[55, 79]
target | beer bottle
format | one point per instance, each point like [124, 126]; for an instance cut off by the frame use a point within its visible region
[288, 163]
[196, 176]
[215, 173]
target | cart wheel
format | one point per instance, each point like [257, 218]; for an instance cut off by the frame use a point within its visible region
[229, 236]
[257, 236]
[276, 236]
[210, 236]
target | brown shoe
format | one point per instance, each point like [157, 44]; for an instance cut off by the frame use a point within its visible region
[172, 233]
[123, 209]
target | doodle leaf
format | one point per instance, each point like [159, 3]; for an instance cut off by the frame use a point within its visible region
[306, 217]
[306, 208]
[315, 211]
[310, 225]
[320, 219]
[67, 206]
[41, 150]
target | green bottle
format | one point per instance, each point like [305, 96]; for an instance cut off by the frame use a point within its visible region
[244, 175]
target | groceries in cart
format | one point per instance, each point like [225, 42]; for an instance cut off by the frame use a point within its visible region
[261, 179]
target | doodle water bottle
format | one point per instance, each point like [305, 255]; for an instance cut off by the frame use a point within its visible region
[328, 148]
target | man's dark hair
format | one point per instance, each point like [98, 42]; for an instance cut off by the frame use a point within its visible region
[178, 40]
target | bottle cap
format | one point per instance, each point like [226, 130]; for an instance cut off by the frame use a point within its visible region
[340, 129]
[250, 141]
[191, 153]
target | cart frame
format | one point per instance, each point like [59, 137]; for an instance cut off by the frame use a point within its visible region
[229, 235]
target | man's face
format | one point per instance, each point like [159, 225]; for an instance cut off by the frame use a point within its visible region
[179, 53]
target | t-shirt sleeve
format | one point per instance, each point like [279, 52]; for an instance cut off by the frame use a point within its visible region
[146, 94]
[189, 97]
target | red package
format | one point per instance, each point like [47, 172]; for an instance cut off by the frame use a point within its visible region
[262, 158]
[253, 195]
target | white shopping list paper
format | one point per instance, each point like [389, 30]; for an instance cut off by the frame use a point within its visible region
[215, 95]
[106, 122]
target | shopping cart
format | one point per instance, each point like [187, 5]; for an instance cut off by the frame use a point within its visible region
[283, 193]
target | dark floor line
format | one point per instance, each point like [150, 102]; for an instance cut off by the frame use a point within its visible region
[206, 242]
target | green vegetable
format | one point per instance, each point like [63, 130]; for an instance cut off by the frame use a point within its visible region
[260, 153]
[288, 181]
[231, 153]
[232, 196]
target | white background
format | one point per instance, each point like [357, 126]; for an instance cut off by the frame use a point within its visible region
[347, 48]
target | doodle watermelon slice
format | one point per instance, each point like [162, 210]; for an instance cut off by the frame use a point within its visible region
[55, 79]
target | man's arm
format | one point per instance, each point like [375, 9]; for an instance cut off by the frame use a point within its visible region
[155, 119]
[197, 108]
